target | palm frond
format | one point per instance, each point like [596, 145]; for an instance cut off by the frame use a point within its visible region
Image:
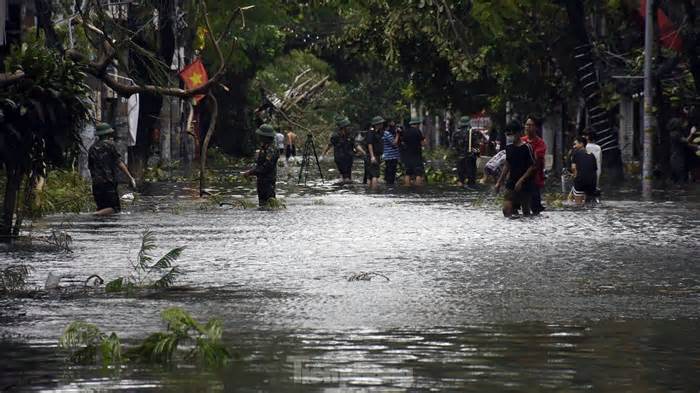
[179, 320]
[148, 244]
[210, 353]
[166, 260]
[165, 347]
[168, 279]
[147, 350]
[110, 350]
[213, 329]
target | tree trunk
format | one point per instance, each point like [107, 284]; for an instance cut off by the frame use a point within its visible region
[214, 112]
[649, 120]
[9, 206]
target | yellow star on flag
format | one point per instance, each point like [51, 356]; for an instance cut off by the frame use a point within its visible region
[196, 79]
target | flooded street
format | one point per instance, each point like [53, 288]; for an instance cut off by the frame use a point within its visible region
[606, 299]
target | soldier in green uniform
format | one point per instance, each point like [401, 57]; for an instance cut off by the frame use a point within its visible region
[104, 163]
[466, 144]
[343, 144]
[265, 165]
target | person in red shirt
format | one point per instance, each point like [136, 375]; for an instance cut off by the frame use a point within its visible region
[533, 127]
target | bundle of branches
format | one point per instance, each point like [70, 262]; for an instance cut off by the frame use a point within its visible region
[292, 106]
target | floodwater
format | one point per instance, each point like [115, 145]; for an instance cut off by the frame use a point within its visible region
[602, 299]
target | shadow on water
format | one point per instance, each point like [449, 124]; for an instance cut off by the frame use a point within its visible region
[603, 299]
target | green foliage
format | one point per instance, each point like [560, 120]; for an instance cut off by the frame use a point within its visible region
[435, 175]
[87, 344]
[116, 285]
[470, 55]
[147, 271]
[41, 115]
[554, 199]
[380, 92]
[216, 158]
[275, 204]
[183, 330]
[14, 278]
[162, 172]
[65, 191]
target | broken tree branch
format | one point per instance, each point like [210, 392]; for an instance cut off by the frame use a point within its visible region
[98, 69]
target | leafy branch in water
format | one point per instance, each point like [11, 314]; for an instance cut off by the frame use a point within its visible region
[14, 278]
[147, 266]
[275, 204]
[87, 344]
[183, 330]
[366, 276]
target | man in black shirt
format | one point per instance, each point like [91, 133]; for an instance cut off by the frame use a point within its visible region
[411, 143]
[584, 168]
[375, 149]
[104, 161]
[518, 172]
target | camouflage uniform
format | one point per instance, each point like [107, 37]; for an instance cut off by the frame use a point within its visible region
[343, 152]
[266, 172]
[103, 162]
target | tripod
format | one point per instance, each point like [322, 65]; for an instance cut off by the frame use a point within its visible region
[309, 148]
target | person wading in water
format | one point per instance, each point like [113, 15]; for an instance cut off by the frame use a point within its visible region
[375, 149]
[265, 165]
[104, 161]
[290, 146]
[412, 141]
[343, 144]
[520, 167]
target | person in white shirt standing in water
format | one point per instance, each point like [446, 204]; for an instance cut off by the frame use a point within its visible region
[593, 148]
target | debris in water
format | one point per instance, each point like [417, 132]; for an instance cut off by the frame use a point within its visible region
[366, 276]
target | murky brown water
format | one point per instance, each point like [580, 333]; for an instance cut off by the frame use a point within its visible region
[605, 299]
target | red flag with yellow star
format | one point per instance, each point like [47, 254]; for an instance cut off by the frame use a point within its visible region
[195, 75]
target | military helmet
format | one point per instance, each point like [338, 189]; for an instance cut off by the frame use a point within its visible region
[103, 129]
[464, 121]
[342, 122]
[415, 120]
[265, 130]
[377, 120]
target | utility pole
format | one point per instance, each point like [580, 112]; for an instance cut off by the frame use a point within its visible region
[649, 121]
